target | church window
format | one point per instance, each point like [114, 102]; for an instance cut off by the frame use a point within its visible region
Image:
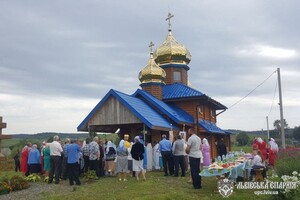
[177, 76]
[200, 109]
[212, 112]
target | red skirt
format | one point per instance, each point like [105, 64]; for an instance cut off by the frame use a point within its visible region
[272, 157]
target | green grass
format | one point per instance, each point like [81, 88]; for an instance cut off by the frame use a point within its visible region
[10, 142]
[155, 187]
[9, 174]
[247, 149]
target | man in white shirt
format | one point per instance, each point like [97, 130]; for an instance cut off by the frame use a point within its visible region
[55, 159]
[193, 149]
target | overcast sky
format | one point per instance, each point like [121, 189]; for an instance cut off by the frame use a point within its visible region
[59, 58]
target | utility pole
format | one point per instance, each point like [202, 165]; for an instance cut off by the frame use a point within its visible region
[281, 109]
[268, 131]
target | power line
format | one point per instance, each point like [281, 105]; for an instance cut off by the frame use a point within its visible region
[251, 91]
[273, 99]
[271, 108]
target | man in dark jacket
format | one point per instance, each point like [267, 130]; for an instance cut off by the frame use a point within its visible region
[222, 149]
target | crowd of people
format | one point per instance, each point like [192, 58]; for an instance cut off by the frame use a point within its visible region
[71, 158]
[191, 154]
[264, 155]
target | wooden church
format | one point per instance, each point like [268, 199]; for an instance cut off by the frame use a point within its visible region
[164, 103]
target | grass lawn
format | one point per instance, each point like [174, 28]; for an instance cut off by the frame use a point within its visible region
[10, 142]
[247, 149]
[155, 187]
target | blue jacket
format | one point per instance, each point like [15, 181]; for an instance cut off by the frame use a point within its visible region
[34, 157]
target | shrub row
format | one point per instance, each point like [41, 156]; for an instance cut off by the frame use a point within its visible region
[12, 184]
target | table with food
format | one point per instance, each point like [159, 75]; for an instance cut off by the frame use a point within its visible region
[233, 165]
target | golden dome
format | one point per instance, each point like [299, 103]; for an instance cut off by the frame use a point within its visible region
[172, 52]
[152, 72]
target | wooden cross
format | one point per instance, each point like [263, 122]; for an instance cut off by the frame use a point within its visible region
[169, 19]
[150, 46]
[3, 137]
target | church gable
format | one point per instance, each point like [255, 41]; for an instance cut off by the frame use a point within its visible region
[113, 112]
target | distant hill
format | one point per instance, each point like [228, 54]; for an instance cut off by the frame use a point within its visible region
[288, 131]
[47, 135]
[40, 136]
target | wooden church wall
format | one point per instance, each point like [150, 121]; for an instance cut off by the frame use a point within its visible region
[188, 106]
[113, 112]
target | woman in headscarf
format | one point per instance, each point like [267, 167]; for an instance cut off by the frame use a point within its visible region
[122, 161]
[46, 153]
[42, 156]
[257, 163]
[254, 144]
[137, 152]
[34, 160]
[273, 150]
[206, 153]
[156, 156]
[110, 153]
[24, 159]
[145, 160]
[262, 146]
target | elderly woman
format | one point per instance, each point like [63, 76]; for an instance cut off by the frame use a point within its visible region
[206, 153]
[178, 152]
[122, 161]
[137, 152]
[34, 162]
[46, 153]
[24, 159]
[257, 162]
[262, 146]
[273, 150]
[110, 153]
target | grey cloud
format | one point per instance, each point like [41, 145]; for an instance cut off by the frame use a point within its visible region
[80, 50]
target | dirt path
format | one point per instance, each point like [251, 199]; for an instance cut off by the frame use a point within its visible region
[38, 190]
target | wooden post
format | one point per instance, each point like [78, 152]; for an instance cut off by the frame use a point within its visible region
[2, 137]
[281, 109]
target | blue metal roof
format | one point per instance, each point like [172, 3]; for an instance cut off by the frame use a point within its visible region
[179, 90]
[138, 107]
[175, 113]
[211, 127]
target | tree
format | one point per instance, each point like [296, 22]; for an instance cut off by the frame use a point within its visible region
[242, 139]
[92, 134]
[277, 125]
[296, 133]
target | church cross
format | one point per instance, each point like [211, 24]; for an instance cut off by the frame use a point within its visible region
[169, 19]
[2, 137]
[150, 46]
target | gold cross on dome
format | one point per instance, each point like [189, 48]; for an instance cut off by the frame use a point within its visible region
[169, 19]
[150, 46]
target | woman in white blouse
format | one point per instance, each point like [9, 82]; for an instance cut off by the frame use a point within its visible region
[257, 162]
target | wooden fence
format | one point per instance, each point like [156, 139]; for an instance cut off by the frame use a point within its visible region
[6, 164]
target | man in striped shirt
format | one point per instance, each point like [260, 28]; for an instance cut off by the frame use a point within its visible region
[94, 156]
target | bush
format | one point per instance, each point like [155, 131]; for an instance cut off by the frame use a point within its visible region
[15, 183]
[287, 161]
[287, 193]
[4, 187]
[33, 178]
[18, 183]
[90, 175]
[242, 139]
